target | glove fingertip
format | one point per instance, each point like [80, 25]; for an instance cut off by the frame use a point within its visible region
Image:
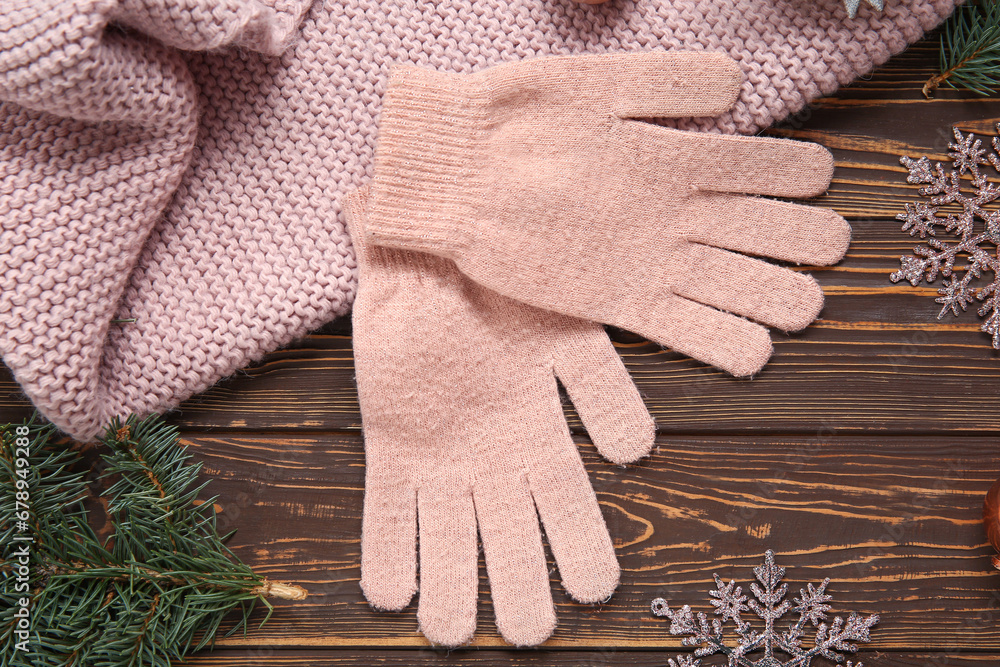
[806, 303]
[835, 241]
[756, 352]
[529, 632]
[387, 598]
[631, 442]
[451, 630]
[675, 84]
[598, 586]
[726, 77]
[812, 163]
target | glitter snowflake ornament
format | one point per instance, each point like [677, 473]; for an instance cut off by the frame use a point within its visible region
[769, 605]
[976, 229]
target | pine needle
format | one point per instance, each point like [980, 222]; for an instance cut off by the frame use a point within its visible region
[970, 50]
[154, 591]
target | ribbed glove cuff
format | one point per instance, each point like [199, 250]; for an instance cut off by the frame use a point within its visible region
[426, 179]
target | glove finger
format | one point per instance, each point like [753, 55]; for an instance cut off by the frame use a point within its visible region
[725, 163]
[515, 563]
[388, 540]
[573, 522]
[674, 84]
[769, 228]
[728, 342]
[764, 292]
[654, 84]
[449, 559]
[602, 391]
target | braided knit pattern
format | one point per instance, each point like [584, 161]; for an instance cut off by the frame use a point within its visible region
[197, 25]
[210, 212]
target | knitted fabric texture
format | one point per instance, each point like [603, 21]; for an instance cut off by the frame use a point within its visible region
[198, 192]
[95, 139]
[464, 428]
[537, 181]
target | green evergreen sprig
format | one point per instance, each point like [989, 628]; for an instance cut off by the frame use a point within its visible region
[155, 590]
[970, 49]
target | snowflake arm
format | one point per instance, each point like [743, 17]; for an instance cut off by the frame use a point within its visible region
[770, 604]
[919, 219]
[729, 603]
[976, 227]
[955, 294]
[967, 153]
[686, 661]
[840, 634]
[708, 637]
[991, 297]
[812, 606]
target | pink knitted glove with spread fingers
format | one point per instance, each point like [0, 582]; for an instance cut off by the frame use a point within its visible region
[464, 427]
[536, 179]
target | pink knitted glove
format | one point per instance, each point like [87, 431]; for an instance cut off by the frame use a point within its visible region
[463, 428]
[536, 181]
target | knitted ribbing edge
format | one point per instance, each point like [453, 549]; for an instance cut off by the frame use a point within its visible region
[202, 210]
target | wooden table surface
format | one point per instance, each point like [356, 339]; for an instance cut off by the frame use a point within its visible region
[862, 452]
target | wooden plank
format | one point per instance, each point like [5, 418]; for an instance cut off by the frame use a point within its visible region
[894, 522]
[608, 657]
[872, 122]
[869, 181]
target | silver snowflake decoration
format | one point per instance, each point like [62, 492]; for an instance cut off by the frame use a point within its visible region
[769, 605]
[975, 228]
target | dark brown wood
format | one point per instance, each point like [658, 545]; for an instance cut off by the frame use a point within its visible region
[895, 522]
[991, 519]
[598, 657]
[863, 452]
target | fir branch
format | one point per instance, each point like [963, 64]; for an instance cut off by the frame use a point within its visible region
[157, 589]
[970, 50]
[55, 491]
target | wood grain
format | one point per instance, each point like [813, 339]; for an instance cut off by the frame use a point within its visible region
[606, 657]
[894, 522]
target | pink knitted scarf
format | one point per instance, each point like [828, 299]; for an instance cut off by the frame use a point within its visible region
[171, 207]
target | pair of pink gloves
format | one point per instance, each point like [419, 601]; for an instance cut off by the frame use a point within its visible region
[512, 213]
